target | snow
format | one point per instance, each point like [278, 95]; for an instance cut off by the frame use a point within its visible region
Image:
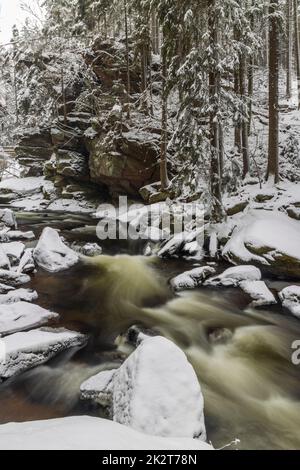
[4, 261]
[14, 250]
[22, 185]
[290, 297]
[17, 295]
[155, 391]
[259, 292]
[86, 433]
[234, 276]
[13, 278]
[99, 388]
[19, 235]
[30, 349]
[26, 264]
[192, 279]
[72, 206]
[22, 316]
[8, 218]
[52, 254]
[261, 236]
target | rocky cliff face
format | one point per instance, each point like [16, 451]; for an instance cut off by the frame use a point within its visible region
[100, 148]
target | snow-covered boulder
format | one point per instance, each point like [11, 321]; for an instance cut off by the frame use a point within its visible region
[13, 278]
[17, 235]
[234, 276]
[91, 249]
[8, 218]
[86, 433]
[259, 293]
[26, 264]
[22, 186]
[4, 288]
[52, 254]
[24, 351]
[266, 238]
[13, 250]
[290, 297]
[192, 279]
[18, 295]
[23, 316]
[4, 260]
[155, 391]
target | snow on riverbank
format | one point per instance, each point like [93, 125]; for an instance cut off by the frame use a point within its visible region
[87, 433]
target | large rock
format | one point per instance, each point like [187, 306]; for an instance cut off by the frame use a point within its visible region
[26, 350]
[155, 391]
[72, 164]
[290, 297]
[267, 239]
[52, 254]
[22, 316]
[233, 277]
[125, 163]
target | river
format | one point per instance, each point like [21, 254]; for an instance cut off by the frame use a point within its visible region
[242, 359]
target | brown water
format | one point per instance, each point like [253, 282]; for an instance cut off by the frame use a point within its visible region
[242, 358]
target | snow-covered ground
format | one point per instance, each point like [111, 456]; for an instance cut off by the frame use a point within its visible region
[87, 433]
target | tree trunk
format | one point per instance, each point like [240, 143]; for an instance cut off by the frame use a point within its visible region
[273, 158]
[127, 58]
[244, 123]
[297, 47]
[164, 127]
[289, 54]
[214, 124]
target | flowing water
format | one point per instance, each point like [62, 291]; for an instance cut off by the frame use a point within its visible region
[242, 358]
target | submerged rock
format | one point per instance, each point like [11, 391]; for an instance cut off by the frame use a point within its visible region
[290, 297]
[155, 391]
[24, 351]
[21, 316]
[91, 249]
[234, 276]
[52, 254]
[192, 279]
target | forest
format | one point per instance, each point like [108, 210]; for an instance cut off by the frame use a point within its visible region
[150, 225]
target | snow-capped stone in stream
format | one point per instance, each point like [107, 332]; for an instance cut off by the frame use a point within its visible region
[18, 235]
[52, 254]
[4, 261]
[4, 289]
[234, 276]
[91, 249]
[18, 295]
[259, 292]
[24, 351]
[86, 433]
[290, 297]
[8, 218]
[192, 279]
[23, 316]
[155, 391]
[13, 250]
[26, 264]
[13, 278]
